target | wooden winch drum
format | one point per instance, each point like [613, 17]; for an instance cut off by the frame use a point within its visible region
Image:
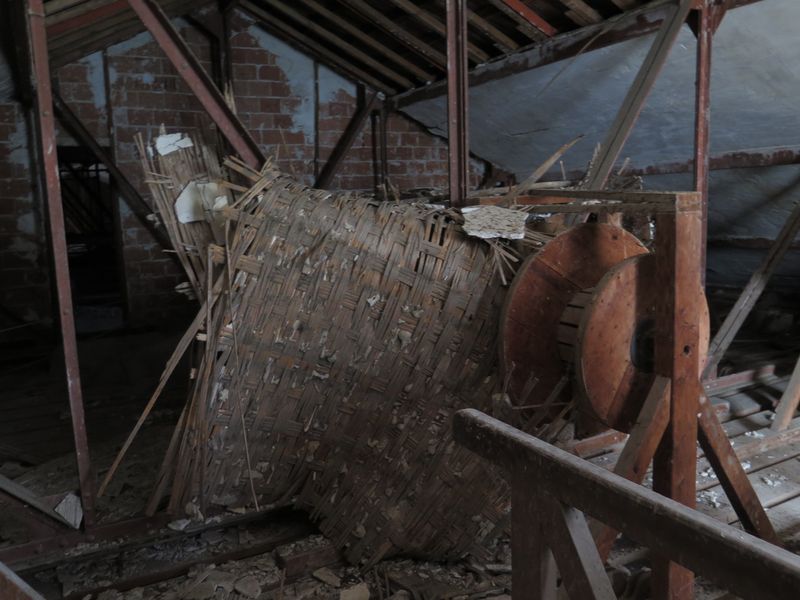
[584, 308]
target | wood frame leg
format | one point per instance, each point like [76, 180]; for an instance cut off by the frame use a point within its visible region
[788, 402]
[639, 450]
[732, 477]
[533, 569]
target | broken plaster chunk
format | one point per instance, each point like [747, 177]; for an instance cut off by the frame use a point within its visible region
[71, 510]
[325, 575]
[195, 199]
[248, 586]
[172, 142]
[373, 300]
[357, 592]
[179, 524]
[489, 222]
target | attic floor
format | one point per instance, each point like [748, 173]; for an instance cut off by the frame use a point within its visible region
[277, 554]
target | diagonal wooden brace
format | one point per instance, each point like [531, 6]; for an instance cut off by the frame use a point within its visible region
[732, 477]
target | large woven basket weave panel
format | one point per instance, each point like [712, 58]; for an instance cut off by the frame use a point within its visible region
[353, 331]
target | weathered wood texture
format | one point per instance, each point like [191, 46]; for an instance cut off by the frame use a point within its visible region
[735, 560]
[14, 588]
[351, 332]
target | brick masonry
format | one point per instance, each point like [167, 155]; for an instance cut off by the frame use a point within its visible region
[295, 108]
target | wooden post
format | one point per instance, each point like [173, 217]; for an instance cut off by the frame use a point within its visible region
[677, 356]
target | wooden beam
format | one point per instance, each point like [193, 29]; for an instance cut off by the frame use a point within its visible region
[132, 198]
[731, 474]
[581, 13]
[579, 564]
[751, 293]
[433, 22]
[411, 41]
[639, 450]
[637, 96]
[369, 40]
[191, 71]
[626, 26]
[789, 401]
[533, 569]
[12, 587]
[457, 102]
[677, 357]
[500, 39]
[310, 45]
[526, 16]
[352, 131]
[323, 33]
[731, 558]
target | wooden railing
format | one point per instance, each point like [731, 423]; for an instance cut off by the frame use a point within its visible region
[553, 490]
[14, 588]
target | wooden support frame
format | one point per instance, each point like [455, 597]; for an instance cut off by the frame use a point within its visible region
[731, 558]
[201, 84]
[349, 135]
[46, 142]
[667, 428]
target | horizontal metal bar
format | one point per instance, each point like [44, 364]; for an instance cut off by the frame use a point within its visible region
[738, 561]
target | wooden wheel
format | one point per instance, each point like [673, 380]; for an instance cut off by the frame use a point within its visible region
[541, 291]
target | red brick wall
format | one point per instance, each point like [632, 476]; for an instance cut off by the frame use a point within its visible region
[276, 97]
[23, 265]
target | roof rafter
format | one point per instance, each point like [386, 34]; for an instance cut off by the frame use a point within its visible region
[433, 22]
[342, 45]
[370, 41]
[626, 26]
[311, 46]
[435, 57]
[529, 18]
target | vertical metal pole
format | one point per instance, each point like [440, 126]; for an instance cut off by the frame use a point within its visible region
[705, 34]
[677, 356]
[46, 137]
[457, 99]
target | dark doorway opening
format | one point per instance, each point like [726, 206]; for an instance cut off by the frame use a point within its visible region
[93, 241]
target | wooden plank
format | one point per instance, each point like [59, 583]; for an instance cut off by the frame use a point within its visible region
[433, 22]
[500, 39]
[533, 569]
[731, 558]
[787, 406]
[368, 40]
[342, 45]
[751, 293]
[309, 44]
[12, 587]
[638, 452]
[531, 23]
[349, 136]
[579, 564]
[411, 41]
[733, 479]
[581, 13]
[637, 95]
[677, 356]
[28, 498]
